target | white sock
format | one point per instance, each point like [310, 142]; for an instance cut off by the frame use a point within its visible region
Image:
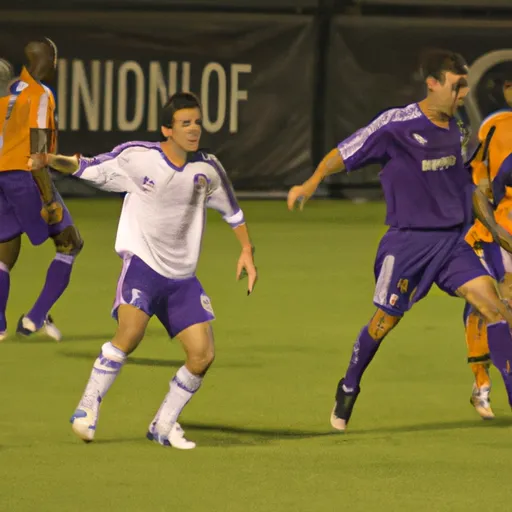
[104, 372]
[181, 389]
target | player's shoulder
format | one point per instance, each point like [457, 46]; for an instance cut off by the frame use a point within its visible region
[398, 114]
[501, 119]
[205, 156]
[136, 146]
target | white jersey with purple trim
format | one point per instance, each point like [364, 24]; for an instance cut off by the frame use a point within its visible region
[164, 210]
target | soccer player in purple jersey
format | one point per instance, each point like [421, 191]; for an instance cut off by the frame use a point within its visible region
[428, 192]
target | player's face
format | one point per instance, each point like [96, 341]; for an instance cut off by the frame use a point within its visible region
[453, 92]
[186, 129]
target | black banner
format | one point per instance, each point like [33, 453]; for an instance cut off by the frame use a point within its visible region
[373, 65]
[253, 74]
[482, 4]
[267, 5]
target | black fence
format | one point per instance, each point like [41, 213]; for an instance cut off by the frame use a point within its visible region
[278, 91]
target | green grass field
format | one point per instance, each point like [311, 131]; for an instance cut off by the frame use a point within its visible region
[261, 420]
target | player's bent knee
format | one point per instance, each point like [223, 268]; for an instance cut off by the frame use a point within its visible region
[127, 339]
[199, 363]
[381, 324]
[69, 242]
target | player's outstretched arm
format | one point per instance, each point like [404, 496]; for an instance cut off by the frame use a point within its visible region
[61, 163]
[330, 164]
[106, 172]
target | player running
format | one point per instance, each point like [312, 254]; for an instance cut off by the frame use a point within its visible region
[168, 186]
[494, 136]
[428, 194]
[29, 201]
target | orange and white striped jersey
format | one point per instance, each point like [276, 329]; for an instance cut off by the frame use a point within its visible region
[29, 105]
[500, 148]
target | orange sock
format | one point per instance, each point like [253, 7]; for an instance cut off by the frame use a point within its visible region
[478, 349]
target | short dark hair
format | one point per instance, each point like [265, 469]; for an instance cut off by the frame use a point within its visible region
[176, 102]
[436, 63]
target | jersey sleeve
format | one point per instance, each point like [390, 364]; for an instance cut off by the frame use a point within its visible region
[222, 197]
[368, 145]
[109, 171]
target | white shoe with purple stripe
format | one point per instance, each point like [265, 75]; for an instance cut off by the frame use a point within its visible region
[176, 437]
[84, 421]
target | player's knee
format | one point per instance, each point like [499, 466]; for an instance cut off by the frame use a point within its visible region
[127, 338]
[200, 361]
[381, 324]
[491, 313]
[69, 242]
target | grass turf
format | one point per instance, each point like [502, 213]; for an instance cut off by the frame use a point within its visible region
[261, 419]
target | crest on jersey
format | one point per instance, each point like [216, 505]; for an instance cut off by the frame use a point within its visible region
[201, 182]
[420, 139]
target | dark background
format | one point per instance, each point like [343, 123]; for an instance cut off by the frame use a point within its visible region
[281, 81]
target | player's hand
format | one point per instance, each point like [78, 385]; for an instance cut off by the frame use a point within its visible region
[300, 194]
[38, 161]
[246, 268]
[52, 213]
[503, 238]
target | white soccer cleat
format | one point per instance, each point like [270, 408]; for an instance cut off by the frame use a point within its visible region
[26, 328]
[3, 335]
[176, 437]
[481, 401]
[50, 329]
[84, 421]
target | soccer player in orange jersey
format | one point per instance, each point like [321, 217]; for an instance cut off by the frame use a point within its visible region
[488, 168]
[29, 201]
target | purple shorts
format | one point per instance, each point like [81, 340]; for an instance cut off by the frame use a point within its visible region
[20, 209]
[409, 262]
[177, 303]
[496, 260]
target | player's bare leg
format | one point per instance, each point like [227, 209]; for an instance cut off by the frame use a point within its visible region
[9, 252]
[363, 352]
[482, 294]
[132, 323]
[198, 343]
[68, 245]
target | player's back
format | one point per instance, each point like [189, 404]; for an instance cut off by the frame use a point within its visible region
[425, 182]
[29, 105]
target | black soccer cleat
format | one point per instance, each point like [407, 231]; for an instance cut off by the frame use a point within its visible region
[343, 406]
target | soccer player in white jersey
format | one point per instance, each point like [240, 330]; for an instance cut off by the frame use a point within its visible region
[168, 186]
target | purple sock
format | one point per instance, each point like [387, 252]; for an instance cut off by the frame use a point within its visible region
[57, 280]
[500, 347]
[5, 284]
[364, 349]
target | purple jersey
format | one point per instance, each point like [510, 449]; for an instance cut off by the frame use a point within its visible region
[425, 182]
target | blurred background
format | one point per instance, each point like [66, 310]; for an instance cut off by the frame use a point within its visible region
[281, 81]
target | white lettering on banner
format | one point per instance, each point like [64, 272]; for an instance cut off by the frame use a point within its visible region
[88, 96]
[127, 96]
[209, 125]
[123, 123]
